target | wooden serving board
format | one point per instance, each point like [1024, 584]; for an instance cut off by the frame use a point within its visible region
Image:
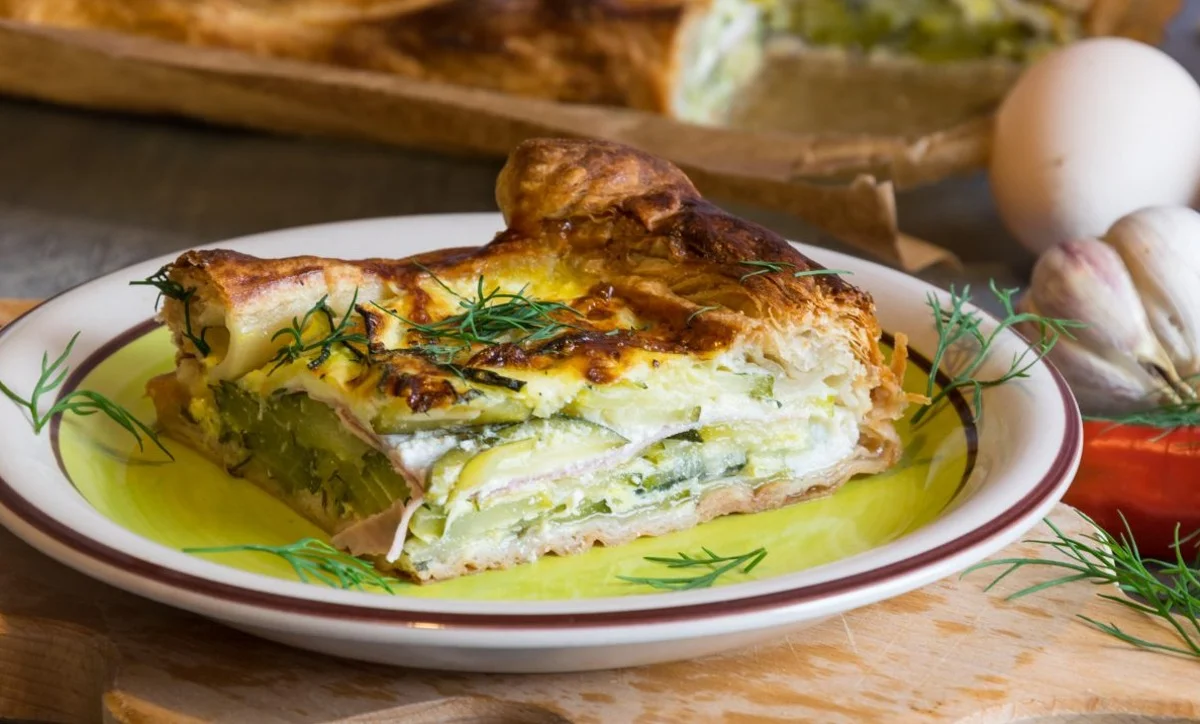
[76, 650]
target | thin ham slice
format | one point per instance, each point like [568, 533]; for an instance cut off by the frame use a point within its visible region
[383, 531]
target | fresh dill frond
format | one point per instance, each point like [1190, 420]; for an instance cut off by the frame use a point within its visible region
[79, 402]
[764, 267]
[772, 267]
[174, 290]
[960, 330]
[442, 355]
[1166, 417]
[698, 312]
[820, 272]
[1166, 590]
[717, 565]
[340, 332]
[489, 318]
[312, 559]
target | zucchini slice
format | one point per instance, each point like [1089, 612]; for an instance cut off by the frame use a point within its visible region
[529, 449]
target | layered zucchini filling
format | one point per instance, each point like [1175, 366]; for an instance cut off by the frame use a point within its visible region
[931, 30]
[721, 52]
[304, 447]
[728, 46]
[500, 486]
[658, 440]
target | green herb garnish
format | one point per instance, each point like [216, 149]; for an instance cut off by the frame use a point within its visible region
[175, 290]
[1166, 417]
[764, 267]
[489, 318]
[718, 565]
[820, 272]
[315, 559]
[698, 312]
[339, 333]
[769, 267]
[79, 402]
[958, 329]
[442, 355]
[1166, 590]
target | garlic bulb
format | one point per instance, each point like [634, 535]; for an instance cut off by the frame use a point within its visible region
[1115, 363]
[1161, 248]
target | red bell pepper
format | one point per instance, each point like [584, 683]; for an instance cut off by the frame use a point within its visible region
[1150, 475]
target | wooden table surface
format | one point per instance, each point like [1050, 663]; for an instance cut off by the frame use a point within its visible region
[12, 308]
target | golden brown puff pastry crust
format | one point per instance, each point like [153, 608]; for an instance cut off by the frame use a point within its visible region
[615, 52]
[631, 222]
[640, 220]
[583, 51]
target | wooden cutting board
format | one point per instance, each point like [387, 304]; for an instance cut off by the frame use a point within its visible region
[76, 650]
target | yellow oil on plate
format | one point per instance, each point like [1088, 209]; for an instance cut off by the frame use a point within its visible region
[192, 503]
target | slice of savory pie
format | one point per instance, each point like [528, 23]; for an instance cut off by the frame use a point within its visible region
[625, 359]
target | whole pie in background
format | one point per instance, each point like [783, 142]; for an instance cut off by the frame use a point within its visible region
[804, 66]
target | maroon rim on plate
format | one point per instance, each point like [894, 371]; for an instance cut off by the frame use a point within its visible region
[108, 556]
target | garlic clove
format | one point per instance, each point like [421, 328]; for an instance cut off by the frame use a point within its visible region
[1160, 247]
[1085, 280]
[1102, 388]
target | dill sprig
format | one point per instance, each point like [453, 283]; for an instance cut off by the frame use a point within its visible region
[959, 329]
[1165, 590]
[442, 355]
[698, 312]
[1165, 417]
[717, 565]
[763, 267]
[489, 318]
[820, 272]
[771, 267]
[174, 290]
[79, 402]
[311, 559]
[339, 333]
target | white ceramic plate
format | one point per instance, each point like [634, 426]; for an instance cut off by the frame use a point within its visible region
[1028, 447]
